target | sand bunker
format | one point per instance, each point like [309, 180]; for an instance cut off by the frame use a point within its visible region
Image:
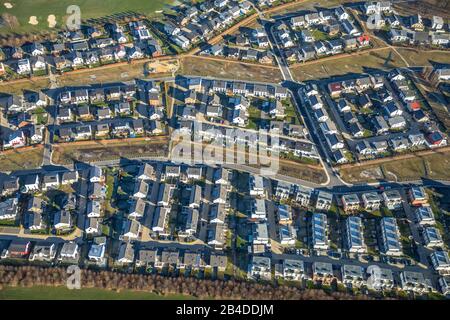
[33, 20]
[51, 21]
[7, 5]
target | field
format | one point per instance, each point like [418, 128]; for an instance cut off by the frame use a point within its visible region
[41, 9]
[432, 166]
[66, 154]
[424, 58]
[304, 172]
[62, 293]
[16, 87]
[427, 8]
[229, 70]
[112, 73]
[21, 160]
[308, 5]
[382, 59]
[108, 73]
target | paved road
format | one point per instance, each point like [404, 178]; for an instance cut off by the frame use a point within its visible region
[333, 178]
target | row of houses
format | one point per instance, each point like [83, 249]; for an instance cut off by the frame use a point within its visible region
[391, 199]
[412, 30]
[147, 92]
[333, 138]
[70, 252]
[194, 23]
[233, 87]
[28, 135]
[352, 276]
[301, 42]
[78, 49]
[251, 55]
[178, 259]
[255, 37]
[94, 209]
[303, 196]
[115, 128]
[201, 131]
[217, 105]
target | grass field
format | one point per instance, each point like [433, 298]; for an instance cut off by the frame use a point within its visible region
[433, 166]
[229, 70]
[348, 65]
[23, 9]
[22, 160]
[110, 151]
[309, 5]
[26, 84]
[423, 58]
[113, 73]
[62, 293]
[304, 172]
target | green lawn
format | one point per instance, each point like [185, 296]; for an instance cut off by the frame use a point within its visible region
[254, 117]
[319, 35]
[23, 9]
[62, 293]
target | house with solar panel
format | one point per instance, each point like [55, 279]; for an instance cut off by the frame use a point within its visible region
[432, 237]
[444, 285]
[418, 196]
[440, 261]
[355, 236]
[425, 216]
[256, 185]
[260, 233]
[288, 235]
[258, 210]
[320, 231]
[284, 213]
[390, 236]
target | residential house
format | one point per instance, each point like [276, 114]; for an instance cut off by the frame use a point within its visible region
[371, 201]
[350, 202]
[392, 199]
[319, 231]
[355, 235]
[260, 268]
[390, 237]
[352, 275]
